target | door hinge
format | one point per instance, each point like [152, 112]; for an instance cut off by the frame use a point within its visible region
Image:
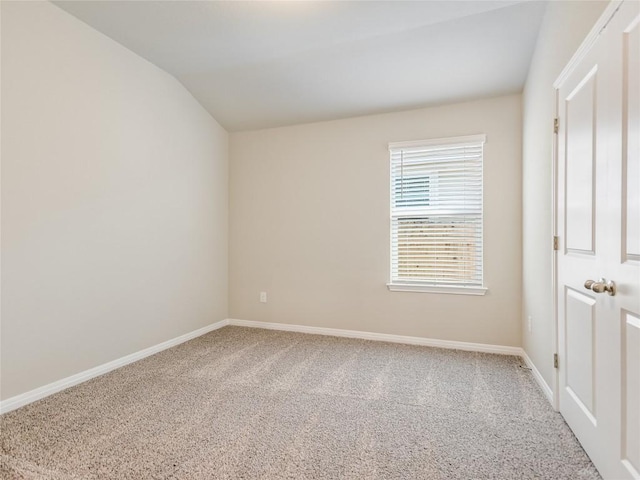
[556, 125]
[556, 242]
[555, 360]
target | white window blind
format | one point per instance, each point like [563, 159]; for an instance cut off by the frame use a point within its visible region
[436, 212]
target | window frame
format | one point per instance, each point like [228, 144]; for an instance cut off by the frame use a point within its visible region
[421, 285]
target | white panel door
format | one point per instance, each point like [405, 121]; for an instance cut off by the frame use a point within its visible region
[598, 263]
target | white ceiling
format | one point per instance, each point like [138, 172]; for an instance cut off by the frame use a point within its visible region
[264, 64]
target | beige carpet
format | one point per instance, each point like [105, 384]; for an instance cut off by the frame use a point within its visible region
[248, 403]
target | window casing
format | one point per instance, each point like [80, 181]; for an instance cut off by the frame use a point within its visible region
[436, 215]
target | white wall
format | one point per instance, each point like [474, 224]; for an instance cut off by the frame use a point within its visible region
[309, 224]
[114, 201]
[564, 27]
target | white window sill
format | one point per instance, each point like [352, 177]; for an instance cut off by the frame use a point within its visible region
[412, 287]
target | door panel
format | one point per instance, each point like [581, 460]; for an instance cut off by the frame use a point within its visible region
[631, 142]
[631, 393]
[580, 128]
[580, 322]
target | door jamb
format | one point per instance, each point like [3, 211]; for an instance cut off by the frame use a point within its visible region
[555, 386]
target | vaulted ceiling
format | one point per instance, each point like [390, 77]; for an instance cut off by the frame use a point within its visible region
[264, 64]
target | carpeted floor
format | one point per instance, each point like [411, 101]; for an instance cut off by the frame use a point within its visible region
[249, 403]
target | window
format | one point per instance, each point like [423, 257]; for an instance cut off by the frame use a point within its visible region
[436, 215]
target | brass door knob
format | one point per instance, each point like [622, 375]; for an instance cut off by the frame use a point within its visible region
[601, 286]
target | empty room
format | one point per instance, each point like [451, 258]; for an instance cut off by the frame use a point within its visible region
[320, 239]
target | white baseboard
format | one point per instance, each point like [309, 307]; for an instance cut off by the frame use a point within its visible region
[546, 389]
[382, 337]
[41, 392]
[428, 342]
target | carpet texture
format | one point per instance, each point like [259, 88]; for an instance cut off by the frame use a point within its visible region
[249, 403]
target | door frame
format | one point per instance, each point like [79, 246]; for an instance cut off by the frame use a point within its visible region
[577, 57]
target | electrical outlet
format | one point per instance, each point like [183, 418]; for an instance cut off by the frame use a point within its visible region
[263, 297]
[529, 323]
